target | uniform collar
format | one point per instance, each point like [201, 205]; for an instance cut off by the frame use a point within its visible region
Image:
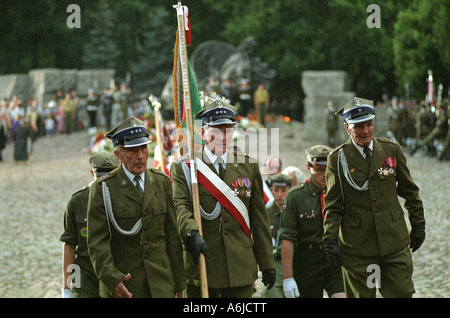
[212, 157]
[131, 175]
[361, 149]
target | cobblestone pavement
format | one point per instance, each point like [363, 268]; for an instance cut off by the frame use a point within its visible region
[33, 198]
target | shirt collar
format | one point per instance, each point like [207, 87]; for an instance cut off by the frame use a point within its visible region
[212, 157]
[131, 175]
[361, 149]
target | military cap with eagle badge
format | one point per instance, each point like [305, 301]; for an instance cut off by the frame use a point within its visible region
[357, 110]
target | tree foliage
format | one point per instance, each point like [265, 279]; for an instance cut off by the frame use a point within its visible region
[292, 36]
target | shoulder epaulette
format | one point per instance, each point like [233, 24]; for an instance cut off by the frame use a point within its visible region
[246, 155]
[336, 149]
[107, 176]
[159, 172]
[382, 139]
[297, 187]
[78, 191]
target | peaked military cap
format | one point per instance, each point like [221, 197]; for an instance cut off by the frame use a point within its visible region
[318, 154]
[103, 162]
[129, 133]
[216, 112]
[280, 180]
[357, 110]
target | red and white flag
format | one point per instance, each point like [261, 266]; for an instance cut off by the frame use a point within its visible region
[268, 196]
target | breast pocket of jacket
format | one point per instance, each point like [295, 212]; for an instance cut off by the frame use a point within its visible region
[309, 223]
[159, 211]
[359, 176]
[126, 216]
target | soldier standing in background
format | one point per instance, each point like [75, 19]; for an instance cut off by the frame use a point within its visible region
[245, 98]
[332, 124]
[92, 108]
[364, 226]
[394, 119]
[116, 112]
[125, 100]
[75, 233]
[279, 186]
[424, 123]
[438, 132]
[107, 101]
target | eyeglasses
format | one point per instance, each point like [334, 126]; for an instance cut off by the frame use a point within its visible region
[319, 170]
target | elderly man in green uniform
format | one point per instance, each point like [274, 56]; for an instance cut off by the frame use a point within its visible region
[364, 227]
[75, 234]
[236, 236]
[133, 238]
[279, 185]
[305, 268]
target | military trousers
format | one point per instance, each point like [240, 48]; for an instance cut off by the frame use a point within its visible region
[230, 292]
[313, 273]
[391, 274]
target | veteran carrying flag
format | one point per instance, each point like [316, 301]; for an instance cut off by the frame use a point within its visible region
[187, 102]
[179, 95]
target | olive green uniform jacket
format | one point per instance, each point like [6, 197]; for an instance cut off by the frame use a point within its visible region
[371, 222]
[302, 215]
[75, 233]
[234, 257]
[153, 256]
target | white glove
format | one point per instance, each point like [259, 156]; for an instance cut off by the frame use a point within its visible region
[290, 288]
[66, 293]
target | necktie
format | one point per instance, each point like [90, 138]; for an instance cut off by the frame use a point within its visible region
[368, 153]
[219, 161]
[137, 179]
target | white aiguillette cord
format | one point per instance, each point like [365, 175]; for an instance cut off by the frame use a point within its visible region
[110, 215]
[347, 175]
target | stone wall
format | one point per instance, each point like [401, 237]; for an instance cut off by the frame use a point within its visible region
[43, 84]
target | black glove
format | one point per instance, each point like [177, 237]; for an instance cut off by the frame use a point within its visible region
[417, 236]
[195, 244]
[268, 277]
[332, 252]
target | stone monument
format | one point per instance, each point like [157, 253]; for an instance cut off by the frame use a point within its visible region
[320, 87]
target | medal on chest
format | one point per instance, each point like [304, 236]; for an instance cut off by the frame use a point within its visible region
[242, 187]
[388, 167]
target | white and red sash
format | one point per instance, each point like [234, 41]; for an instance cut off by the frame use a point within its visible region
[223, 194]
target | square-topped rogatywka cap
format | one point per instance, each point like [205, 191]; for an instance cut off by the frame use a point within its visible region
[357, 110]
[217, 112]
[129, 133]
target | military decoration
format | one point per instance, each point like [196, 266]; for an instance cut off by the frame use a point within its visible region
[308, 215]
[388, 167]
[242, 187]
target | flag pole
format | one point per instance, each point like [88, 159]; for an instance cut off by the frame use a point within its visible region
[191, 144]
